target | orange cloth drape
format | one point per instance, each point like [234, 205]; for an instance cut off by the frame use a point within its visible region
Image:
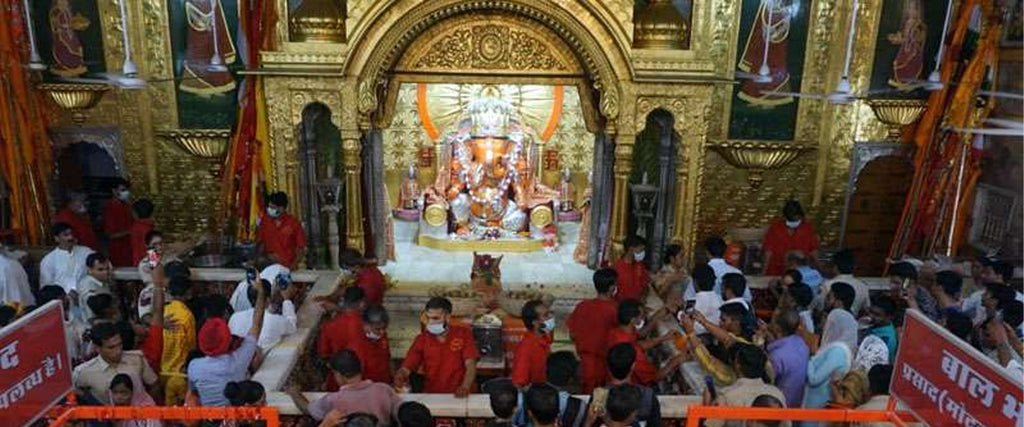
[24, 147]
[247, 166]
[928, 214]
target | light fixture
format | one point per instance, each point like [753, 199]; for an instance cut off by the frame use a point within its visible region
[216, 61]
[935, 78]
[128, 68]
[35, 62]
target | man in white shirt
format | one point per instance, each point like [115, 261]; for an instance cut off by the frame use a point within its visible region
[706, 301]
[64, 266]
[845, 262]
[14, 288]
[715, 247]
[268, 271]
[95, 283]
[279, 320]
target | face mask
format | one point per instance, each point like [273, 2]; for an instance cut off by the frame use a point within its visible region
[639, 256]
[793, 224]
[373, 336]
[641, 324]
[436, 328]
[124, 195]
[273, 212]
[549, 325]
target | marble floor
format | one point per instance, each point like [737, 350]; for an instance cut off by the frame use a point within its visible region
[416, 264]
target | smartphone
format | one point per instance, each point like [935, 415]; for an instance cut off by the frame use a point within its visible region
[152, 257]
[600, 398]
[250, 275]
[709, 384]
[283, 280]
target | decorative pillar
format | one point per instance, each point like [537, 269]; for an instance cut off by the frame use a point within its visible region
[620, 202]
[352, 149]
[679, 219]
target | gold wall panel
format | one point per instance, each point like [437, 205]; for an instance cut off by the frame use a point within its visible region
[589, 43]
[481, 44]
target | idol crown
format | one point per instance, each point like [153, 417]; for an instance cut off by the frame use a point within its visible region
[490, 116]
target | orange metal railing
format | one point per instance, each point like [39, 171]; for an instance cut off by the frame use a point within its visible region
[696, 413]
[184, 413]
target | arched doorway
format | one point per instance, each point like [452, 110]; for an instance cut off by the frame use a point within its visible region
[874, 211]
[86, 168]
[507, 50]
[320, 160]
[654, 169]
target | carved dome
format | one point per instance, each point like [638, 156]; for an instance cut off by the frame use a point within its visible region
[318, 21]
[660, 26]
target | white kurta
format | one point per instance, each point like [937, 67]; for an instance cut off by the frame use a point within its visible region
[275, 326]
[64, 268]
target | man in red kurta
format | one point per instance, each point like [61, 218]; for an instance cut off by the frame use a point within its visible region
[531, 357]
[790, 233]
[445, 353]
[630, 319]
[141, 227]
[589, 325]
[280, 234]
[372, 346]
[634, 279]
[367, 275]
[117, 224]
[343, 330]
[76, 215]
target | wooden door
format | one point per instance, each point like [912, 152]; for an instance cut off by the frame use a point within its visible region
[874, 211]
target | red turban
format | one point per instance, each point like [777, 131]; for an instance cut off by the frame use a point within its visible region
[215, 337]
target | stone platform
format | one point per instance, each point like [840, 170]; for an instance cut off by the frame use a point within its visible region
[421, 265]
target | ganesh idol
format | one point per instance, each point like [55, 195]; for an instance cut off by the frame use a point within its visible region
[487, 181]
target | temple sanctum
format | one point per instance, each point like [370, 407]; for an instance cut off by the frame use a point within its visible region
[495, 152]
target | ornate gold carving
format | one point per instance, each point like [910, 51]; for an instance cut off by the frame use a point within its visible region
[897, 113]
[690, 106]
[318, 21]
[378, 49]
[541, 216]
[758, 156]
[367, 97]
[352, 160]
[476, 44]
[435, 215]
[75, 97]
[660, 26]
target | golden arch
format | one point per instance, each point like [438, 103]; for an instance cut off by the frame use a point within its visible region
[379, 48]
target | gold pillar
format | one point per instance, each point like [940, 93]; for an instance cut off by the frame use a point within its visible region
[353, 160]
[620, 199]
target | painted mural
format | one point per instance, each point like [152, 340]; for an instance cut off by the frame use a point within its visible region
[68, 36]
[908, 39]
[203, 31]
[773, 33]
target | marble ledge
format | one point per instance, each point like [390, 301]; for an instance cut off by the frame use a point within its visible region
[223, 274]
[476, 405]
[415, 291]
